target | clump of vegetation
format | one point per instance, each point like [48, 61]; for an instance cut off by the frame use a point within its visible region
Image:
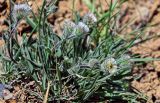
[87, 63]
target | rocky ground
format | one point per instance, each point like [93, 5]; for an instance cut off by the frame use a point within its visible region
[135, 13]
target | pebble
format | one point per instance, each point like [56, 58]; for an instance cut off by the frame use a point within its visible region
[4, 92]
[2, 1]
[2, 87]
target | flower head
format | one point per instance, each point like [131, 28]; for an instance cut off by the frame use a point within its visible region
[94, 63]
[89, 19]
[69, 27]
[21, 10]
[109, 65]
[82, 28]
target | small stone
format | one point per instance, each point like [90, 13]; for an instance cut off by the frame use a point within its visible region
[149, 77]
[7, 94]
[150, 93]
[2, 1]
[157, 65]
[155, 83]
[157, 101]
[30, 3]
[157, 94]
[150, 67]
[144, 13]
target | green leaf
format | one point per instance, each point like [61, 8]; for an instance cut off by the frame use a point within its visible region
[44, 78]
[144, 59]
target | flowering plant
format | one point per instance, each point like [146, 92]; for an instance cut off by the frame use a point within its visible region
[82, 65]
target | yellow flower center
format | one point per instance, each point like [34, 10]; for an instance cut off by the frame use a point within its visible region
[109, 65]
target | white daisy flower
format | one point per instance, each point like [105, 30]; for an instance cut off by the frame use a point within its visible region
[82, 27]
[89, 19]
[109, 65]
[94, 63]
[68, 27]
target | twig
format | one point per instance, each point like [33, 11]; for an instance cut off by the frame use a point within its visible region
[47, 92]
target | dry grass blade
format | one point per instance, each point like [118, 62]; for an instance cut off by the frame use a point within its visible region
[47, 92]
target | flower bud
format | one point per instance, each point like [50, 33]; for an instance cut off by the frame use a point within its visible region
[69, 27]
[82, 28]
[89, 19]
[22, 9]
[94, 63]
